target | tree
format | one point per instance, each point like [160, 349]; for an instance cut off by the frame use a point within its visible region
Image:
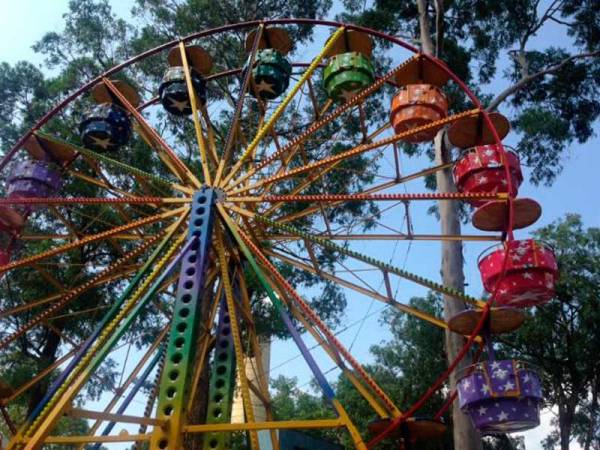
[558, 337]
[291, 402]
[471, 36]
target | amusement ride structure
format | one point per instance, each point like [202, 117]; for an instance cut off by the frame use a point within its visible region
[201, 234]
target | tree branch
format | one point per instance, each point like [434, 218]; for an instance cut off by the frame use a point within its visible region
[529, 78]
[562, 22]
[439, 26]
[425, 32]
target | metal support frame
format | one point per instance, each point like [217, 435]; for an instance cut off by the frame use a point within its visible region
[174, 384]
[222, 381]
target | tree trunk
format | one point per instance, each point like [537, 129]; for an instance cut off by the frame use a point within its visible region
[591, 431]
[47, 358]
[465, 435]
[565, 422]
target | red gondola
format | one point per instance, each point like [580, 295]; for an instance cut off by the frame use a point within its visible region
[481, 169]
[531, 273]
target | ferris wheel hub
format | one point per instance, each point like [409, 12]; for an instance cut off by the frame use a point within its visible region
[220, 195]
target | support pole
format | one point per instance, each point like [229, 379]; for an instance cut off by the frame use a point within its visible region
[174, 384]
[222, 379]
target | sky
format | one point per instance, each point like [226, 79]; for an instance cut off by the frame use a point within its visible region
[573, 192]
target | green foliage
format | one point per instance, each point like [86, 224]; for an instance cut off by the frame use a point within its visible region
[503, 442]
[25, 97]
[395, 368]
[291, 402]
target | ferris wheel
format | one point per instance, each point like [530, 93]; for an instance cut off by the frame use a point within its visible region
[257, 201]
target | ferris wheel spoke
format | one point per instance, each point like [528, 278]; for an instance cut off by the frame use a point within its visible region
[247, 212]
[246, 309]
[279, 111]
[17, 392]
[369, 292]
[332, 198]
[373, 189]
[116, 308]
[200, 138]
[273, 135]
[285, 162]
[318, 175]
[270, 287]
[41, 426]
[373, 262]
[334, 356]
[50, 298]
[205, 343]
[72, 294]
[87, 414]
[312, 178]
[102, 177]
[48, 277]
[391, 237]
[152, 349]
[72, 231]
[67, 237]
[261, 376]
[355, 100]
[231, 132]
[118, 207]
[377, 404]
[111, 190]
[63, 201]
[133, 171]
[110, 277]
[210, 134]
[246, 243]
[235, 332]
[92, 238]
[356, 151]
[89, 219]
[181, 170]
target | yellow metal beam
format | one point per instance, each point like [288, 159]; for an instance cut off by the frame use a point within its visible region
[197, 126]
[48, 419]
[255, 426]
[121, 437]
[102, 416]
[235, 332]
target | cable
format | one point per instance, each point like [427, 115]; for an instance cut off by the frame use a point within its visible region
[336, 334]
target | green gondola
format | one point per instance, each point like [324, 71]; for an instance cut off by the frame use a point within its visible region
[346, 74]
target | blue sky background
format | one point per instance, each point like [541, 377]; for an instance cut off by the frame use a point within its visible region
[23, 22]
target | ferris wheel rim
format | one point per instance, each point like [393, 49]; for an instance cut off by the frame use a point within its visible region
[232, 27]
